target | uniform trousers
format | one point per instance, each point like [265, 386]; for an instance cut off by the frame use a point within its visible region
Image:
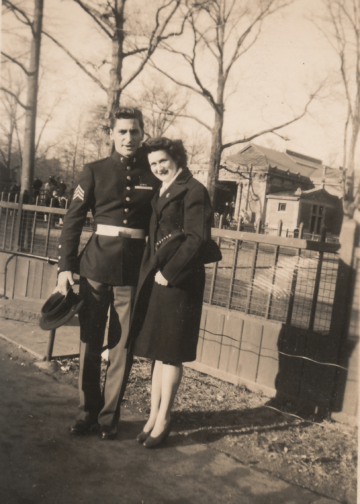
[96, 404]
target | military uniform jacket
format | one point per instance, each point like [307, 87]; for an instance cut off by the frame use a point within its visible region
[118, 191]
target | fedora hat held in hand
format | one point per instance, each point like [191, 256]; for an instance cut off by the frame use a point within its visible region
[59, 309]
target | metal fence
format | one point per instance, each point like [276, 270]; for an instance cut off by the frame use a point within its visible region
[291, 280]
[35, 230]
[275, 278]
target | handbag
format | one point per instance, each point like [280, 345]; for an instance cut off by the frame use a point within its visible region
[210, 252]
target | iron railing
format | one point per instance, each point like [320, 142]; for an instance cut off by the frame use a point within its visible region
[291, 280]
[286, 279]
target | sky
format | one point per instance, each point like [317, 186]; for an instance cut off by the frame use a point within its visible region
[273, 80]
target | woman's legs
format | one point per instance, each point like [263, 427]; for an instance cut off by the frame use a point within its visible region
[170, 381]
[155, 395]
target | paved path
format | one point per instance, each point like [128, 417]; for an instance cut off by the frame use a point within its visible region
[41, 463]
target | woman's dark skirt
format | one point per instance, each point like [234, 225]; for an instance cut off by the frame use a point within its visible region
[170, 330]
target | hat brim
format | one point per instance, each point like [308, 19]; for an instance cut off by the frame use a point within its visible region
[47, 325]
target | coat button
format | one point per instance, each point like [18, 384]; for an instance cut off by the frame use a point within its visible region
[128, 168]
[128, 188]
[125, 221]
[126, 210]
[58, 269]
[127, 198]
[128, 177]
[59, 246]
[59, 257]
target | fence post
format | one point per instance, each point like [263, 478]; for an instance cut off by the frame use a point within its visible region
[280, 223]
[18, 224]
[301, 230]
[317, 282]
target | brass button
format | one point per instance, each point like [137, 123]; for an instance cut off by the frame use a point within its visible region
[59, 246]
[59, 257]
[126, 210]
[128, 177]
[127, 198]
[128, 188]
[128, 168]
[125, 221]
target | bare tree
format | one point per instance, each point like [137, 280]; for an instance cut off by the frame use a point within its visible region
[222, 31]
[32, 73]
[160, 106]
[341, 27]
[12, 114]
[131, 45]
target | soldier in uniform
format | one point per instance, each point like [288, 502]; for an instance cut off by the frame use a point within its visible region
[118, 191]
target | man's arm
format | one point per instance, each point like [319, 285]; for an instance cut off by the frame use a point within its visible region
[73, 223]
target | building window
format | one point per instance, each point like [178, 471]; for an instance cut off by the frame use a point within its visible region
[281, 207]
[317, 219]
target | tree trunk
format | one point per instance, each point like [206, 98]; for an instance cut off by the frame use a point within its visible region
[215, 155]
[353, 140]
[117, 42]
[28, 159]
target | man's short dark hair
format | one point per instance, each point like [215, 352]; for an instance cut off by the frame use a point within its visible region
[127, 113]
[175, 149]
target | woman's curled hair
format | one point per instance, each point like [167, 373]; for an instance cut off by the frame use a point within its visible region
[174, 148]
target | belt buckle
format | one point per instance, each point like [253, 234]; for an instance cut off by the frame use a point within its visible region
[124, 234]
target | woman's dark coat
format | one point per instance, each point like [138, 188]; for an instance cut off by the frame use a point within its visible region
[166, 320]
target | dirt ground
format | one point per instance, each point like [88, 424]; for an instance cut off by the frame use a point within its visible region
[321, 457]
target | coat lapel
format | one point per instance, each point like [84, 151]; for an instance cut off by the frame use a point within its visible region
[176, 188]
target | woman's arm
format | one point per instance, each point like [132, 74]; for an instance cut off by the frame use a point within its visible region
[198, 217]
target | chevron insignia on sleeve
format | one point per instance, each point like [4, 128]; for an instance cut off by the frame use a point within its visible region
[79, 193]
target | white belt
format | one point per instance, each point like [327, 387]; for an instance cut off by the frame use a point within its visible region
[104, 230]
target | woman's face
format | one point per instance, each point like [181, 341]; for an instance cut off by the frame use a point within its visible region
[162, 165]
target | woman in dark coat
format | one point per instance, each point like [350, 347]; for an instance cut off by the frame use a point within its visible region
[168, 303]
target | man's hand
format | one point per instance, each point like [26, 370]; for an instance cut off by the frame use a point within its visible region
[65, 280]
[160, 279]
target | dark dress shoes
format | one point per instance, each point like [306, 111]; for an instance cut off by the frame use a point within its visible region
[108, 431]
[140, 438]
[84, 427]
[152, 442]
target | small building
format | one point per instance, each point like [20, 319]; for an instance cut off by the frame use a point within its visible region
[248, 178]
[250, 175]
[314, 208]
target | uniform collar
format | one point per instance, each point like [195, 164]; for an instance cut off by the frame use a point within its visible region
[118, 158]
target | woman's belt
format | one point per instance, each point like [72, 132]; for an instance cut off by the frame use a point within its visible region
[105, 230]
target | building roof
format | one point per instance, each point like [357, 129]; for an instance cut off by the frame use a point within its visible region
[319, 195]
[257, 155]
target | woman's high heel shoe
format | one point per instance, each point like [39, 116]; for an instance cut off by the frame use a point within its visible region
[140, 438]
[151, 442]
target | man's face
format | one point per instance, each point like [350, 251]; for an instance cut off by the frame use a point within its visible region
[127, 136]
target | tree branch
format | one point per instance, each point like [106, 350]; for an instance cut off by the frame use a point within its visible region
[155, 38]
[95, 17]
[16, 10]
[78, 63]
[16, 98]
[17, 63]
[273, 129]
